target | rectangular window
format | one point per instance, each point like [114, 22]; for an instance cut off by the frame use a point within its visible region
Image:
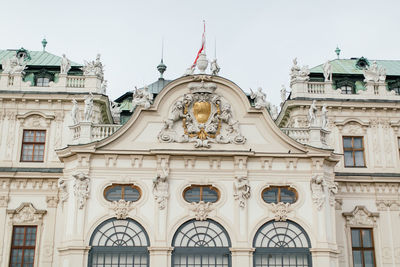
[23, 246]
[362, 243]
[353, 148]
[33, 145]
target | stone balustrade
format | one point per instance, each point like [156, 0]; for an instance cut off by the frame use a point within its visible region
[313, 136]
[323, 90]
[86, 132]
[65, 83]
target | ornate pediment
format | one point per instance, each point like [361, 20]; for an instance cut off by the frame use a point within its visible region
[360, 216]
[201, 117]
[26, 213]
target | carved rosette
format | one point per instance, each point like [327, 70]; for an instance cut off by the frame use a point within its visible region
[242, 190]
[201, 117]
[201, 210]
[281, 211]
[26, 213]
[121, 208]
[360, 216]
[81, 188]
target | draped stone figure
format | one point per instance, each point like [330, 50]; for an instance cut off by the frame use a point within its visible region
[65, 65]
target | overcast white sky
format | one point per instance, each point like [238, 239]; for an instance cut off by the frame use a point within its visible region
[256, 40]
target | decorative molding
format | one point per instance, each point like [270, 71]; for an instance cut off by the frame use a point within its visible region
[81, 188]
[160, 183]
[136, 161]
[360, 216]
[318, 195]
[63, 189]
[201, 210]
[34, 119]
[281, 211]
[26, 213]
[4, 201]
[122, 208]
[242, 190]
[51, 201]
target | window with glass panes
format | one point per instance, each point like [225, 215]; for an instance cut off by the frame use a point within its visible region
[23, 246]
[197, 193]
[363, 247]
[347, 90]
[276, 194]
[33, 145]
[127, 192]
[353, 148]
[42, 81]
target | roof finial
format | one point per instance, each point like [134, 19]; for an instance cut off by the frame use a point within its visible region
[337, 51]
[44, 43]
[162, 67]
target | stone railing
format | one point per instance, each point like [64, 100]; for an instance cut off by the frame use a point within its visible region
[313, 136]
[101, 131]
[86, 132]
[301, 135]
[76, 81]
[65, 83]
[318, 90]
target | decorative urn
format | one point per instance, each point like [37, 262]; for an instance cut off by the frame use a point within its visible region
[202, 62]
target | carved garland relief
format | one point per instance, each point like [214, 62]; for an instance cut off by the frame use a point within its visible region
[201, 117]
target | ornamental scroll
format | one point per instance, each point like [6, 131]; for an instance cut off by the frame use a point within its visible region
[201, 117]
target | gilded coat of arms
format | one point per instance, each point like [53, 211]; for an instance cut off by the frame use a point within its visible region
[201, 117]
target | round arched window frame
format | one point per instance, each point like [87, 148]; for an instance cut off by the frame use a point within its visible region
[125, 240]
[281, 243]
[123, 194]
[280, 194]
[204, 242]
[202, 194]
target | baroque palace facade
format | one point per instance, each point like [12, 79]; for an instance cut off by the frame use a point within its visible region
[195, 172]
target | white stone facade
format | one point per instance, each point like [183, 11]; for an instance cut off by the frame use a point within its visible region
[162, 151]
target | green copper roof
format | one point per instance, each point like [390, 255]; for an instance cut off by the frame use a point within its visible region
[38, 58]
[348, 66]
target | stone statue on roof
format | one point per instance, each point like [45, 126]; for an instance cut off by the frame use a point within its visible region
[14, 65]
[115, 111]
[283, 94]
[65, 65]
[327, 71]
[374, 73]
[299, 74]
[75, 112]
[312, 111]
[274, 112]
[94, 67]
[88, 111]
[214, 67]
[141, 97]
[259, 97]
[324, 116]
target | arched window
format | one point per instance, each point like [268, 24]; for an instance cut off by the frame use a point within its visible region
[119, 243]
[281, 244]
[201, 244]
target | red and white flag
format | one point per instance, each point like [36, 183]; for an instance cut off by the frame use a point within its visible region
[203, 45]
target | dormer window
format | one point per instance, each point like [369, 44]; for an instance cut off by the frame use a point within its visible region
[42, 81]
[362, 63]
[395, 86]
[43, 78]
[347, 90]
[347, 87]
